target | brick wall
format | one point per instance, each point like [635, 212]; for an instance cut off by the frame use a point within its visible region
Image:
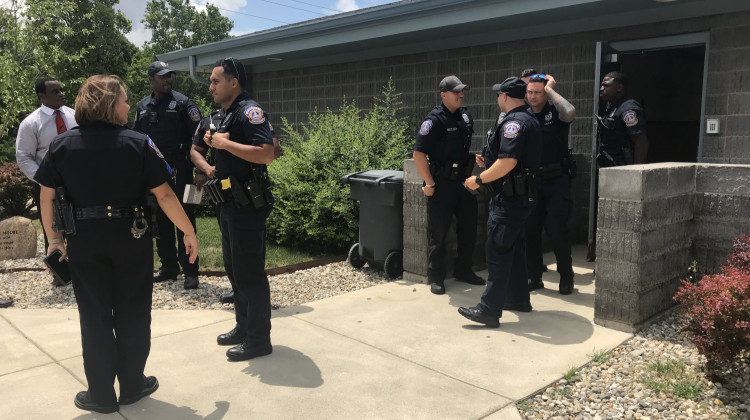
[653, 221]
[570, 58]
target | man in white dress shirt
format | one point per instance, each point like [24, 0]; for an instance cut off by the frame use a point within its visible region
[37, 131]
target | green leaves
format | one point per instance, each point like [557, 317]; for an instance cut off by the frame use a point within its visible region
[313, 209]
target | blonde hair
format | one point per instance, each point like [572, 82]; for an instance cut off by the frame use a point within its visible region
[97, 99]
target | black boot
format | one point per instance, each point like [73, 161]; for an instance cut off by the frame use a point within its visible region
[165, 274]
[84, 402]
[150, 385]
[437, 287]
[247, 350]
[566, 284]
[231, 338]
[227, 297]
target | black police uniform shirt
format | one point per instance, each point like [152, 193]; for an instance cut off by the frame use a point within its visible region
[170, 121]
[518, 137]
[204, 126]
[622, 120]
[246, 123]
[445, 136]
[102, 165]
[554, 135]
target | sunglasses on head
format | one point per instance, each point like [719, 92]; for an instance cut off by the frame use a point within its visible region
[231, 60]
[538, 77]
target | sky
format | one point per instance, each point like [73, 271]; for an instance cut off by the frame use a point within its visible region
[251, 15]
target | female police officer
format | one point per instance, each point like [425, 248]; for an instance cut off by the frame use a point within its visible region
[106, 170]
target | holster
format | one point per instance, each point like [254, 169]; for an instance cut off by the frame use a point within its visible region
[570, 164]
[519, 183]
[151, 209]
[63, 213]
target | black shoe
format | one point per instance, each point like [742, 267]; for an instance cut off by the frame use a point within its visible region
[83, 401]
[247, 350]
[232, 338]
[191, 282]
[57, 281]
[476, 315]
[535, 284]
[437, 288]
[544, 268]
[4, 303]
[517, 306]
[470, 277]
[166, 274]
[566, 284]
[150, 385]
[227, 298]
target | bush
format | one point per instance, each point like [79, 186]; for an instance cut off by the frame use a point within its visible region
[717, 310]
[15, 191]
[313, 209]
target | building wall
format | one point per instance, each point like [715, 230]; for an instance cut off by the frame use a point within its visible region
[295, 93]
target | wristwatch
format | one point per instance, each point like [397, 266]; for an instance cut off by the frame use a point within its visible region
[479, 180]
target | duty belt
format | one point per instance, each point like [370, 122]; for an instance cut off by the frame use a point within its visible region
[452, 171]
[552, 170]
[108, 212]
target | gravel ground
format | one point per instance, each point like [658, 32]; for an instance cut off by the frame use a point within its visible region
[616, 385]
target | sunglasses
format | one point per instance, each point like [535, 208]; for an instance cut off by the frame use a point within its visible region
[231, 60]
[538, 77]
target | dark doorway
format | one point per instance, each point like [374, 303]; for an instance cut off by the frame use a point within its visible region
[668, 83]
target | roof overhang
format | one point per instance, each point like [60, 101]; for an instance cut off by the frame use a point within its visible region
[418, 26]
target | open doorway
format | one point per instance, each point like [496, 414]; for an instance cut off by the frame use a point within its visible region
[668, 83]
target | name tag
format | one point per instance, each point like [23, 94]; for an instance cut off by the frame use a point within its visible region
[452, 129]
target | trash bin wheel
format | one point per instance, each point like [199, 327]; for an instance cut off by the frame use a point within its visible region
[394, 265]
[355, 259]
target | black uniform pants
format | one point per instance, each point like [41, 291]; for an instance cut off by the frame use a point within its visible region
[506, 255]
[450, 198]
[551, 212]
[165, 244]
[243, 233]
[112, 280]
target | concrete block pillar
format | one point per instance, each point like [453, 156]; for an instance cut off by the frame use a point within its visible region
[416, 234]
[645, 234]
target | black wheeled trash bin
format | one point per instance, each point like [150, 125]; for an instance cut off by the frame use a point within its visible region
[381, 223]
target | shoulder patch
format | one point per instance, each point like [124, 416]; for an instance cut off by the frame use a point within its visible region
[466, 118]
[153, 146]
[630, 118]
[425, 128]
[511, 129]
[255, 114]
[194, 114]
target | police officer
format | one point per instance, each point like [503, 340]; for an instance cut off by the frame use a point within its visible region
[554, 204]
[442, 158]
[622, 127]
[243, 146]
[170, 119]
[99, 174]
[512, 157]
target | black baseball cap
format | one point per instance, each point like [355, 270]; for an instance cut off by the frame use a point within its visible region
[512, 86]
[452, 84]
[159, 68]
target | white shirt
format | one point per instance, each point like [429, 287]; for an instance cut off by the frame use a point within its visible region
[36, 133]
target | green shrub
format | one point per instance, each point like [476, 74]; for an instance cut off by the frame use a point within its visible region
[15, 191]
[313, 209]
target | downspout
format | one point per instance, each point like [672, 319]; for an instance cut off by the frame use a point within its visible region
[194, 73]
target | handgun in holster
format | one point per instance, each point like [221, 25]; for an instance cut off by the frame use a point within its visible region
[151, 209]
[258, 188]
[63, 219]
[571, 165]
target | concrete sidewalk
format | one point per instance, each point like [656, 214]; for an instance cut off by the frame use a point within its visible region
[393, 351]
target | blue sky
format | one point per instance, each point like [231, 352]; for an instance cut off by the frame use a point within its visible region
[252, 15]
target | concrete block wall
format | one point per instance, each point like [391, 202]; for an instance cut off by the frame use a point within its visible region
[416, 225]
[295, 93]
[653, 221]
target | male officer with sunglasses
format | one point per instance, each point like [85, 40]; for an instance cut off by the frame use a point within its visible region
[242, 146]
[442, 158]
[170, 118]
[554, 204]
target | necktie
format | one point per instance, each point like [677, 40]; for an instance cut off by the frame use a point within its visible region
[59, 122]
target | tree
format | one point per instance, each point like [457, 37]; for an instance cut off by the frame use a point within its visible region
[31, 38]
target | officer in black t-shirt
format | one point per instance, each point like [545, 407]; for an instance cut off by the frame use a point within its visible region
[99, 175]
[554, 203]
[512, 159]
[622, 127]
[170, 119]
[442, 158]
[243, 146]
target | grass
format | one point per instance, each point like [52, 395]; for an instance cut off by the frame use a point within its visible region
[209, 240]
[571, 374]
[599, 356]
[672, 376]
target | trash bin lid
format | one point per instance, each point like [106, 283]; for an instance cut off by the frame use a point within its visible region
[378, 176]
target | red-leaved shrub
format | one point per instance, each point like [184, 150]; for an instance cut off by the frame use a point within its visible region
[717, 310]
[15, 190]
